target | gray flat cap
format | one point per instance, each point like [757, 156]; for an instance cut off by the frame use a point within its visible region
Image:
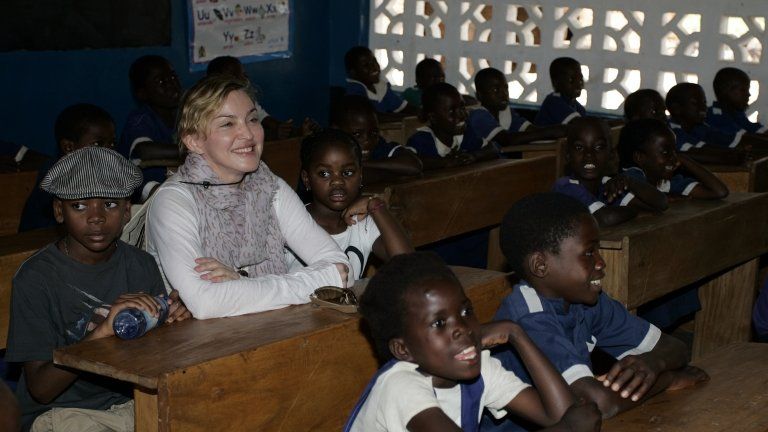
[92, 172]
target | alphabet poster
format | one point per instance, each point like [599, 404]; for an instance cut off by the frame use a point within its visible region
[252, 30]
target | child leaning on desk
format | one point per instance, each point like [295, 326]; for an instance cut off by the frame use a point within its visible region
[611, 200]
[438, 376]
[331, 170]
[552, 242]
[71, 290]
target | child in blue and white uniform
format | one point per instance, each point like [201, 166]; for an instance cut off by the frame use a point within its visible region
[728, 113]
[610, 200]
[363, 78]
[496, 121]
[438, 375]
[561, 106]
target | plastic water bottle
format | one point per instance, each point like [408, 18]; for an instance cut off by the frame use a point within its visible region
[132, 323]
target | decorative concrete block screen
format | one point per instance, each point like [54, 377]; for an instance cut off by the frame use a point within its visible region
[622, 45]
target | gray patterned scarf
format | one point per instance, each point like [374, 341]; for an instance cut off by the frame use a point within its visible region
[238, 225]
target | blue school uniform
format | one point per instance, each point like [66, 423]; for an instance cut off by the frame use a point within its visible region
[677, 185]
[385, 100]
[425, 143]
[384, 149]
[731, 122]
[483, 126]
[144, 125]
[557, 109]
[573, 188]
[760, 314]
[701, 135]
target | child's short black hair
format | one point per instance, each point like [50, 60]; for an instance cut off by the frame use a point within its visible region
[430, 96]
[482, 77]
[348, 106]
[635, 135]
[141, 67]
[538, 223]
[222, 65]
[558, 66]
[726, 77]
[574, 126]
[383, 302]
[635, 100]
[678, 94]
[313, 144]
[354, 53]
[74, 120]
[424, 66]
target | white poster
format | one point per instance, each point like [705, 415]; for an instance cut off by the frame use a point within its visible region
[252, 30]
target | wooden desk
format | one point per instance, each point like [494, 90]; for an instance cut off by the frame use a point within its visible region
[542, 148]
[733, 400]
[14, 249]
[750, 177]
[713, 242]
[283, 158]
[298, 368]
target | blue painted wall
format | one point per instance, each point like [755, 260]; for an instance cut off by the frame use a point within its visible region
[36, 85]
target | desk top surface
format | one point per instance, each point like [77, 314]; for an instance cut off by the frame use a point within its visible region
[733, 400]
[192, 342]
[684, 211]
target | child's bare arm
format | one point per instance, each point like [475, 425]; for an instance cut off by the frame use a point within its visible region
[709, 187]
[647, 196]
[9, 410]
[609, 215]
[432, 420]
[551, 397]
[46, 381]
[404, 162]
[489, 152]
[393, 240]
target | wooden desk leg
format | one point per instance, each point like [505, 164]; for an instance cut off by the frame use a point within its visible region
[145, 410]
[726, 309]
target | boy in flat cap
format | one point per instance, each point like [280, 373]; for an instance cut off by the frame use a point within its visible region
[72, 289]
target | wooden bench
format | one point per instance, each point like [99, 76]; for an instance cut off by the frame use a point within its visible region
[733, 399]
[711, 242]
[284, 159]
[298, 368]
[14, 250]
[16, 189]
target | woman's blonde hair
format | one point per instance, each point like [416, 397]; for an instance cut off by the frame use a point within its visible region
[201, 102]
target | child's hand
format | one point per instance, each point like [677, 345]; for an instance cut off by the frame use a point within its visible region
[687, 377]
[497, 333]
[309, 126]
[582, 416]
[177, 311]
[631, 377]
[139, 301]
[344, 273]
[214, 271]
[356, 211]
[615, 187]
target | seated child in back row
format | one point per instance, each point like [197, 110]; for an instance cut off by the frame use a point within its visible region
[610, 200]
[77, 126]
[149, 129]
[355, 115]
[443, 143]
[647, 153]
[496, 121]
[363, 79]
[331, 171]
[274, 129]
[71, 290]
[438, 375]
[428, 71]
[728, 113]
[561, 106]
[552, 242]
[643, 104]
[687, 105]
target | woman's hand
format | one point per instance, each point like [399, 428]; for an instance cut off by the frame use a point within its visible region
[214, 271]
